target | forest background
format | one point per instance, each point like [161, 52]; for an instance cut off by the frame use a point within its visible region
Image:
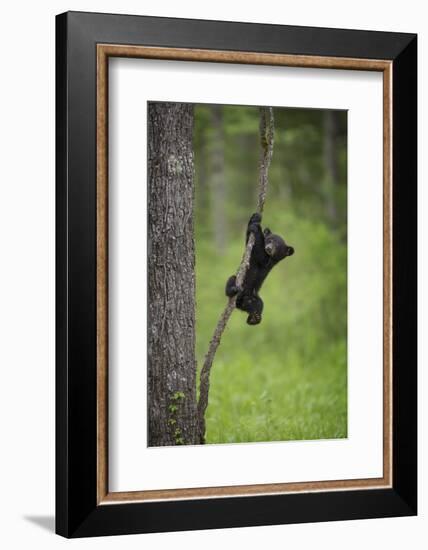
[285, 379]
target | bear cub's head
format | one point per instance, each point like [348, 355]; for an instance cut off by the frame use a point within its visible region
[276, 247]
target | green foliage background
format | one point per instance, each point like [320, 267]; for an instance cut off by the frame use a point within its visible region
[285, 379]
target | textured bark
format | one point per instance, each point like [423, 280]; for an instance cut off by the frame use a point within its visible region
[171, 276]
[266, 140]
[266, 128]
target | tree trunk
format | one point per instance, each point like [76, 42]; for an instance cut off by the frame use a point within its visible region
[330, 162]
[217, 179]
[171, 276]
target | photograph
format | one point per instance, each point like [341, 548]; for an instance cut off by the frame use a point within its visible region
[212, 261]
[235, 284]
[247, 274]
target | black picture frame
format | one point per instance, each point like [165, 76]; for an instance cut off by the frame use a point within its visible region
[77, 511]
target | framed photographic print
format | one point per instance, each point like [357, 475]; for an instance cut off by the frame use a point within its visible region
[236, 274]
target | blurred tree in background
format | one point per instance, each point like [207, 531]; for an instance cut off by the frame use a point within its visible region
[287, 377]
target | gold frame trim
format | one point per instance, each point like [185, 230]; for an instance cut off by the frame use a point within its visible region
[104, 51]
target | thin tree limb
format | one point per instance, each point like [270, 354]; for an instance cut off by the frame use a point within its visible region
[266, 138]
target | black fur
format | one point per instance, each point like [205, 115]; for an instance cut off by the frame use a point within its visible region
[268, 250]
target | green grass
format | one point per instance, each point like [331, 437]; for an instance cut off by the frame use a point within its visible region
[285, 379]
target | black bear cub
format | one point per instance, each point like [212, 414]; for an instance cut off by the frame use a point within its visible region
[268, 250]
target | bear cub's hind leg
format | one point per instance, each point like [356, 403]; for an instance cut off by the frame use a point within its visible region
[231, 288]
